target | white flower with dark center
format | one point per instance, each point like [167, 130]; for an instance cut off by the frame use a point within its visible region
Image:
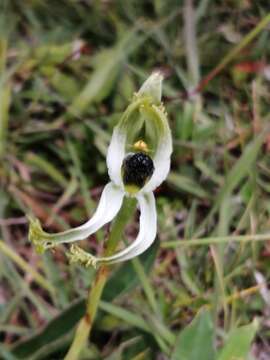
[138, 161]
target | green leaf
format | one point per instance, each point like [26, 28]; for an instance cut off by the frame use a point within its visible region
[127, 316]
[125, 278]
[237, 173]
[107, 65]
[47, 167]
[122, 280]
[196, 341]
[238, 343]
[185, 122]
[5, 95]
[5, 354]
[55, 329]
[122, 348]
[186, 184]
[242, 166]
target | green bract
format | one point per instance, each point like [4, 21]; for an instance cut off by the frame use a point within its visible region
[142, 128]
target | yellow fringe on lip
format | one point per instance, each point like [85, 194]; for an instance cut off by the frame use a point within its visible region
[77, 254]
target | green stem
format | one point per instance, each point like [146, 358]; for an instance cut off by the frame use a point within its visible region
[86, 323]
[216, 240]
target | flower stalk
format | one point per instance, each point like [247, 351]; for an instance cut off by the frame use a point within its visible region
[85, 325]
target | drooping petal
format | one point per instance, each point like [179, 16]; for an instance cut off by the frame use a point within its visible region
[146, 236]
[147, 232]
[162, 155]
[109, 205]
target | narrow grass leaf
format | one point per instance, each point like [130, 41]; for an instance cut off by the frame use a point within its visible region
[125, 315]
[55, 329]
[237, 173]
[6, 354]
[21, 263]
[104, 76]
[120, 350]
[243, 165]
[4, 108]
[88, 202]
[125, 278]
[48, 168]
[68, 318]
[185, 184]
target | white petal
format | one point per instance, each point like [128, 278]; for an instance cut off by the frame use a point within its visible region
[162, 157]
[117, 147]
[147, 232]
[109, 205]
[116, 154]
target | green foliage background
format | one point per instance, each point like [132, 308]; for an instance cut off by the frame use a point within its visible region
[68, 70]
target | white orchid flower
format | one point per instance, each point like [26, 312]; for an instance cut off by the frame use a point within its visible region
[138, 161]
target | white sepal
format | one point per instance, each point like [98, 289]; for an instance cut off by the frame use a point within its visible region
[117, 147]
[116, 155]
[162, 156]
[152, 87]
[147, 232]
[109, 205]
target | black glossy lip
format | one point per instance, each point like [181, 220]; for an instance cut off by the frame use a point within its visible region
[137, 169]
